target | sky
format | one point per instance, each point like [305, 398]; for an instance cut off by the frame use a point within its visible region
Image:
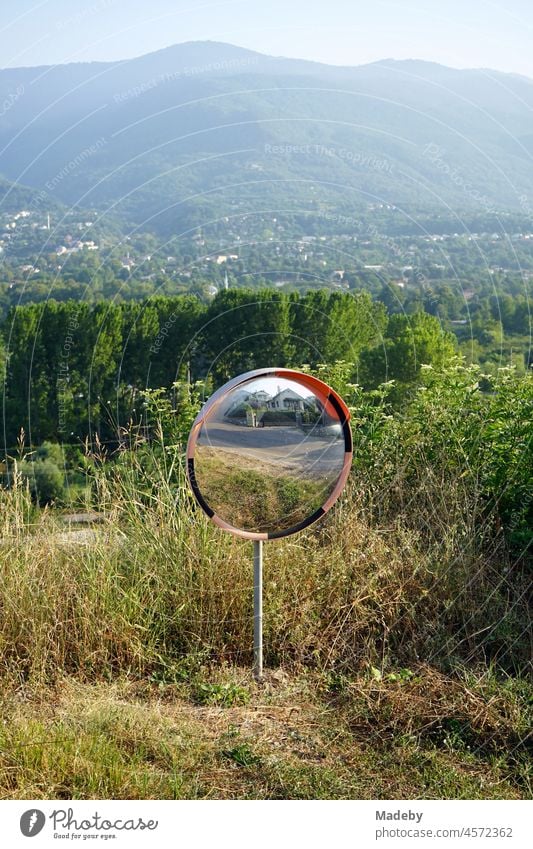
[494, 34]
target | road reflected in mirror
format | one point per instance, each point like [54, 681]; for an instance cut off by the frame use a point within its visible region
[269, 454]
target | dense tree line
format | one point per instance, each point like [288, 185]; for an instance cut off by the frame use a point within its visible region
[74, 369]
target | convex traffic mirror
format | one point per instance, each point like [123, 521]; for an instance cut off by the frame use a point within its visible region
[269, 453]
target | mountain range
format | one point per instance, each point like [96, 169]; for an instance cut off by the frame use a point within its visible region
[204, 130]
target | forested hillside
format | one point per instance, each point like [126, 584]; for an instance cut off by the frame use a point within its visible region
[178, 137]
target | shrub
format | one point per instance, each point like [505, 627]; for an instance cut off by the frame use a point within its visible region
[45, 478]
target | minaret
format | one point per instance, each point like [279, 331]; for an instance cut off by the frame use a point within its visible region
[226, 283]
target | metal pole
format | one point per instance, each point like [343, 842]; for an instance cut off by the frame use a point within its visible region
[258, 609]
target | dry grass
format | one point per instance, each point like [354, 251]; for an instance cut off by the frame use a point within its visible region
[122, 658]
[426, 704]
[132, 739]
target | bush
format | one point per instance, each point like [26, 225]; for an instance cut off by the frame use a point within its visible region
[51, 451]
[45, 478]
[278, 417]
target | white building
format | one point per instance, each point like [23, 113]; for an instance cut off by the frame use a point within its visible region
[286, 399]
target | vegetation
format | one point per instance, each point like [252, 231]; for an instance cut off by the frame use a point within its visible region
[397, 631]
[75, 371]
[294, 737]
[268, 500]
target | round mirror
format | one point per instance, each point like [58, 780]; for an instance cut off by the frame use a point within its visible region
[269, 453]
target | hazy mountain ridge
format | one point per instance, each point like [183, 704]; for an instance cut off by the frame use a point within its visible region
[197, 118]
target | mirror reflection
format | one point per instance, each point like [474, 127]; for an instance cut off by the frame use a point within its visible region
[269, 454]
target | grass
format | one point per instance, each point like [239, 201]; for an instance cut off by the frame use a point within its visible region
[132, 739]
[265, 494]
[159, 582]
